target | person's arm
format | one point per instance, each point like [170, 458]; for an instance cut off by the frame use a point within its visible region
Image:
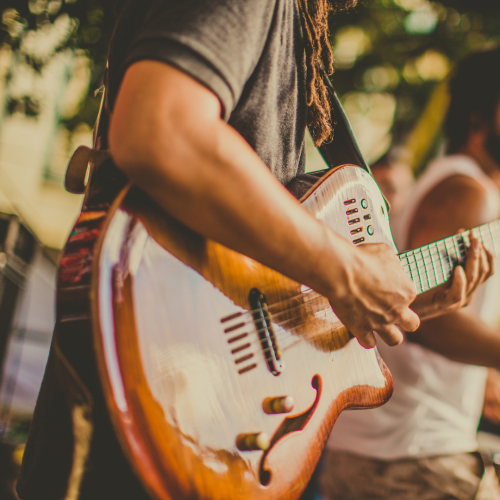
[460, 335]
[491, 406]
[459, 291]
[166, 134]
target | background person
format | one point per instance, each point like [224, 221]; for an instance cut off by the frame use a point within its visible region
[422, 443]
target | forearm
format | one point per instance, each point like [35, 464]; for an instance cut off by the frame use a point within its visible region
[166, 134]
[460, 336]
[207, 176]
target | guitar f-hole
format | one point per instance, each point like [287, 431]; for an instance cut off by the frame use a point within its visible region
[290, 424]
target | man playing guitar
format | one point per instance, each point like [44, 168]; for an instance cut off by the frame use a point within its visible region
[209, 103]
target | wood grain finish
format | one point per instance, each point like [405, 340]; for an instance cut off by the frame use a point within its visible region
[183, 366]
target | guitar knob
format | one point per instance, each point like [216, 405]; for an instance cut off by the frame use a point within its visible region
[282, 404]
[251, 442]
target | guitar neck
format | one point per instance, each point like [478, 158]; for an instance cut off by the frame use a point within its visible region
[432, 265]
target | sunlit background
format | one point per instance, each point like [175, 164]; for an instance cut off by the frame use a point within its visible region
[392, 58]
[389, 56]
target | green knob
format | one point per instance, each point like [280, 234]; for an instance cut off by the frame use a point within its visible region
[364, 204]
[370, 230]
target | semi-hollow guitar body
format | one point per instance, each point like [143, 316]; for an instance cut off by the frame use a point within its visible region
[223, 378]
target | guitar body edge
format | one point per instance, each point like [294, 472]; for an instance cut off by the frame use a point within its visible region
[172, 318]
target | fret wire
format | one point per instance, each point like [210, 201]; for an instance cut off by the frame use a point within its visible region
[440, 275]
[464, 247]
[448, 254]
[488, 247]
[401, 259]
[487, 231]
[440, 259]
[433, 266]
[459, 257]
[425, 268]
[418, 271]
[460, 248]
[481, 235]
[418, 284]
[420, 262]
[409, 267]
[465, 235]
[455, 253]
[429, 281]
[492, 240]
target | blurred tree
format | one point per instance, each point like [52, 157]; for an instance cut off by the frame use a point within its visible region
[405, 47]
[397, 49]
[91, 28]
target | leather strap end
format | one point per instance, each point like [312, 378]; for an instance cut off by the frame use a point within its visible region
[75, 180]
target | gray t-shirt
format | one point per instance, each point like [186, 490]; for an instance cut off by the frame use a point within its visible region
[250, 53]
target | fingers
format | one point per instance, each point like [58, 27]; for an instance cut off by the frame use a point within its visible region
[478, 267]
[491, 264]
[390, 334]
[409, 320]
[456, 294]
[366, 339]
[473, 265]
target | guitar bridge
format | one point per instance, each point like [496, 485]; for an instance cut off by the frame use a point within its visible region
[264, 327]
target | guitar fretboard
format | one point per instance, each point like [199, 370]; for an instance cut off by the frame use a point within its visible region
[432, 265]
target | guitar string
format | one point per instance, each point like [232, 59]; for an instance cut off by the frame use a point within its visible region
[427, 282]
[428, 254]
[441, 271]
[461, 247]
[328, 311]
[287, 332]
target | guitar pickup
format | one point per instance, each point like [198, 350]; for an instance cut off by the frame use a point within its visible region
[263, 325]
[353, 221]
[350, 202]
[359, 240]
[352, 211]
[357, 230]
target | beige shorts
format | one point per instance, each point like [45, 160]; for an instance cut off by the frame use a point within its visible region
[461, 476]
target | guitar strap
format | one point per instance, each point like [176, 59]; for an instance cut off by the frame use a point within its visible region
[343, 149]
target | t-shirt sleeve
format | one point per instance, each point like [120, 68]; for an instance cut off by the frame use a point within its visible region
[217, 42]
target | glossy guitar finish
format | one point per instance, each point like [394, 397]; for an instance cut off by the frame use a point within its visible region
[191, 376]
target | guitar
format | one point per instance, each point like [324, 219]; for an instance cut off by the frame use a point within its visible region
[223, 377]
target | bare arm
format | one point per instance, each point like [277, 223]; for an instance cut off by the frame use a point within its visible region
[166, 134]
[460, 335]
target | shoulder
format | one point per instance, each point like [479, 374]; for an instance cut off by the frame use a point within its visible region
[457, 202]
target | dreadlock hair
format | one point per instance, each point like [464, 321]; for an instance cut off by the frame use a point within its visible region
[318, 52]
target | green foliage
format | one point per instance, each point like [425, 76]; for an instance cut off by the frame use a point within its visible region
[395, 33]
[398, 37]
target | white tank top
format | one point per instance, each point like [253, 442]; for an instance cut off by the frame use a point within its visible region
[437, 403]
